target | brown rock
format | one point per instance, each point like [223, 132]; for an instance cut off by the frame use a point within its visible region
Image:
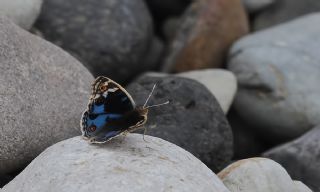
[207, 29]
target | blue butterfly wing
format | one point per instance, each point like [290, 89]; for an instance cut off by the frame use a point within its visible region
[102, 120]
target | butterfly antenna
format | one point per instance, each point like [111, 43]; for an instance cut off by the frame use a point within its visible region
[165, 103]
[145, 104]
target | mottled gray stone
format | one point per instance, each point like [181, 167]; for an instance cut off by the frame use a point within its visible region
[284, 10]
[258, 175]
[193, 120]
[253, 6]
[301, 158]
[278, 71]
[111, 37]
[43, 91]
[132, 165]
[22, 12]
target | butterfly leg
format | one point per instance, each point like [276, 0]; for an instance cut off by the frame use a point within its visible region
[144, 133]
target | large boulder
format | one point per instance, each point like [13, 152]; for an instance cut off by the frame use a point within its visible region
[278, 73]
[120, 165]
[43, 92]
[301, 158]
[22, 12]
[111, 37]
[192, 120]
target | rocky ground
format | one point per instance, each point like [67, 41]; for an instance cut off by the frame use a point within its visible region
[241, 78]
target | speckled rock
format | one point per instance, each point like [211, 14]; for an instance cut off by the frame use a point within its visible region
[301, 158]
[43, 91]
[257, 175]
[253, 6]
[221, 83]
[131, 165]
[111, 37]
[284, 10]
[22, 12]
[206, 31]
[278, 72]
[197, 125]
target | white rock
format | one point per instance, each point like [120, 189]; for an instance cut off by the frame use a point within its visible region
[221, 83]
[256, 5]
[22, 12]
[257, 175]
[133, 165]
[300, 187]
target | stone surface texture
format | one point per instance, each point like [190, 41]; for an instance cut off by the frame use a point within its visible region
[111, 37]
[43, 91]
[206, 31]
[283, 11]
[221, 83]
[301, 158]
[278, 71]
[22, 12]
[131, 165]
[192, 120]
[257, 175]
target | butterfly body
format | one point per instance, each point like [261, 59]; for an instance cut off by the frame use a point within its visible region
[111, 112]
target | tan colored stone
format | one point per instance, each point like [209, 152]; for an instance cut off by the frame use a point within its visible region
[207, 30]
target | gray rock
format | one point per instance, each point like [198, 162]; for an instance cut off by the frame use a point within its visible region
[284, 10]
[43, 91]
[258, 175]
[246, 142]
[111, 37]
[132, 165]
[152, 59]
[22, 12]
[278, 71]
[301, 158]
[221, 83]
[4, 179]
[193, 120]
[253, 6]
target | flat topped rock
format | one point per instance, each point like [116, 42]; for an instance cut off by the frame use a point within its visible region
[131, 165]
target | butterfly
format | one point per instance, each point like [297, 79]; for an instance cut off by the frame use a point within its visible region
[111, 112]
